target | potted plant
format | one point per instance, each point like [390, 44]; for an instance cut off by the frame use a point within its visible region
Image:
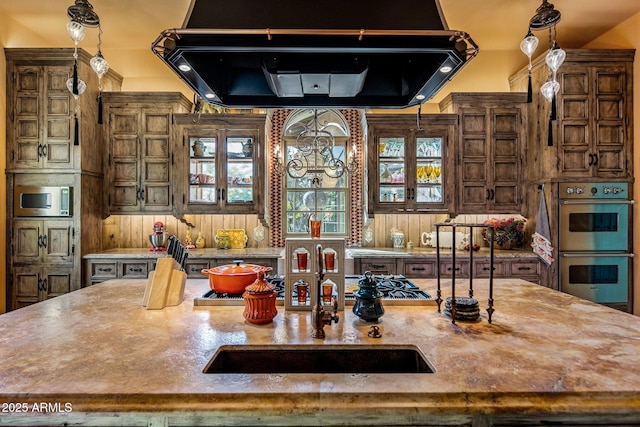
[509, 232]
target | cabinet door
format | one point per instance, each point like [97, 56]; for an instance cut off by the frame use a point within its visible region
[55, 281]
[26, 241]
[24, 144]
[490, 160]
[420, 268]
[155, 160]
[593, 114]
[58, 243]
[240, 190]
[390, 170]
[26, 285]
[124, 130]
[59, 117]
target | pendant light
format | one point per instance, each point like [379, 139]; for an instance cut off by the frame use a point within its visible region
[546, 17]
[528, 46]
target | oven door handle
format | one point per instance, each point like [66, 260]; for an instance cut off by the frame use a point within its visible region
[596, 202]
[595, 255]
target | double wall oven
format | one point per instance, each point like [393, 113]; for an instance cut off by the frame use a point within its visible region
[594, 241]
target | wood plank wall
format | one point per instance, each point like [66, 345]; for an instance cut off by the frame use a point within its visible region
[132, 231]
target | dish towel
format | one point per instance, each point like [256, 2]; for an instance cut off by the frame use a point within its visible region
[541, 243]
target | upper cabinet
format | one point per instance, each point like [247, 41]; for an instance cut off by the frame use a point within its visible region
[220, 164]
[490, 151]
[140, 150]
[409, 163]
[592, 136]
[47, 129]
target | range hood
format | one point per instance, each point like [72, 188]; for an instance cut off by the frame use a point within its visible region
[294, 54]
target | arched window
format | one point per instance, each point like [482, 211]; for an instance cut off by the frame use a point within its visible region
[316, 154]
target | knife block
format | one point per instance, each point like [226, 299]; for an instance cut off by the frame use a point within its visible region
[165, 285]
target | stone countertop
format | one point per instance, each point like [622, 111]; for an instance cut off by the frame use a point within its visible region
[547, 355]
[431, 252]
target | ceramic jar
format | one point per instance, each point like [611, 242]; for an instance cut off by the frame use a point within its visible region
[260, 301]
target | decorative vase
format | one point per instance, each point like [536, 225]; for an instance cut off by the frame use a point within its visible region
[260, 301]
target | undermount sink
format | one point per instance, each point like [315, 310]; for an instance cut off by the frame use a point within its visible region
[323, 359]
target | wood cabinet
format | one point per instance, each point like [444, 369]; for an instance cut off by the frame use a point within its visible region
[592, 136]
[490, 151]
[220, 164]
[410, 167]
[52, 140]
[517, 267]
[140, 150]
[42, 112]
[99, 269]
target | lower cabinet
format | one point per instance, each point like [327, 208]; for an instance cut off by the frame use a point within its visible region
[99, 270]
[32, 285]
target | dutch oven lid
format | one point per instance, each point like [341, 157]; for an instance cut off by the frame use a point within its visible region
[237, 269]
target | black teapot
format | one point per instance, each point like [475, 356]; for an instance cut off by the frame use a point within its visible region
[368, 305]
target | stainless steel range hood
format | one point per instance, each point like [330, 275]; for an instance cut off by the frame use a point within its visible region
[287, 53]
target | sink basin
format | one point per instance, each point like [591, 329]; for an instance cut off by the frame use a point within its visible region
[323, 359]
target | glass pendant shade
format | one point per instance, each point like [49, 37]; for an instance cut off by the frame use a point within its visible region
[99, 65]
[82, 86]
[555, 57]
[76, 31]
[529, 44]
[549, 89]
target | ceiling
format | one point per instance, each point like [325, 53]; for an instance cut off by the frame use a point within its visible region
[130, 26]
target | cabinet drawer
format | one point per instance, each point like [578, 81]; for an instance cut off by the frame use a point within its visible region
[381, 266]
[103, 270]
[462, 268]
[525, 268]
[481, 268]
[194, 268]
[420, 269]
[135, 269]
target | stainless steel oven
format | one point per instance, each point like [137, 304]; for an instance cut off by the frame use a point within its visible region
[598, 277]
[594, 241]
[594, 217]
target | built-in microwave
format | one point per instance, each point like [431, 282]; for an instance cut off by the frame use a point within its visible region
[43, 201]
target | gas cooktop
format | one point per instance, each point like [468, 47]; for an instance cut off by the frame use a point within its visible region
[396, 290]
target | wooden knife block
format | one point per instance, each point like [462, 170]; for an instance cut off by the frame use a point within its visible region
[165, 286]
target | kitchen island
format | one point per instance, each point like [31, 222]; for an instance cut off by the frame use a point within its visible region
[97, 357]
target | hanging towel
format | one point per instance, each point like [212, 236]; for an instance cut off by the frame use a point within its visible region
[541, 243]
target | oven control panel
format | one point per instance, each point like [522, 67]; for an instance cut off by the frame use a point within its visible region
[594, 190]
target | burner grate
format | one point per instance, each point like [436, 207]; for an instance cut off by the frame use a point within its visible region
[396, 290]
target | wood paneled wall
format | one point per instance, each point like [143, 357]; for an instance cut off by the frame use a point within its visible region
[132, 231]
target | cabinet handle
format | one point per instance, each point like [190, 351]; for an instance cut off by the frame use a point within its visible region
[377, 266]
[591, 159]
[418, 268]
[524, 268]
[42, 282]
[40, 240]
[487, 268]
[141, 194]
[457, 269]
[194, 269]
[595, 160]
[44, 241]
[104, 270]
[222, 191]
[39, 285]
[137, 269]
[488, 194]
[493, 194]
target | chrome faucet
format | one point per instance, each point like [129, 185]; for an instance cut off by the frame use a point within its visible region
[319, 317]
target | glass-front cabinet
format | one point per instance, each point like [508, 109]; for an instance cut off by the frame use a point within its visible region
[408, 167]
[222, 173]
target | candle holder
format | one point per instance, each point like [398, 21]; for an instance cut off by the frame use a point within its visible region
[467, 305]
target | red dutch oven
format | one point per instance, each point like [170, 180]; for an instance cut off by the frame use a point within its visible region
[233, 278]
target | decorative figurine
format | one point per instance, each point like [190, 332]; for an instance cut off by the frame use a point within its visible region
[200, 241]
[188, 243]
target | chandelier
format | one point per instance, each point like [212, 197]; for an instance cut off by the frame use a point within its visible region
[315, 152]
[81, 16]
[546, 17]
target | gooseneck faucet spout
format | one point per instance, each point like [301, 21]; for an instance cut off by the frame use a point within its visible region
[319, 317]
